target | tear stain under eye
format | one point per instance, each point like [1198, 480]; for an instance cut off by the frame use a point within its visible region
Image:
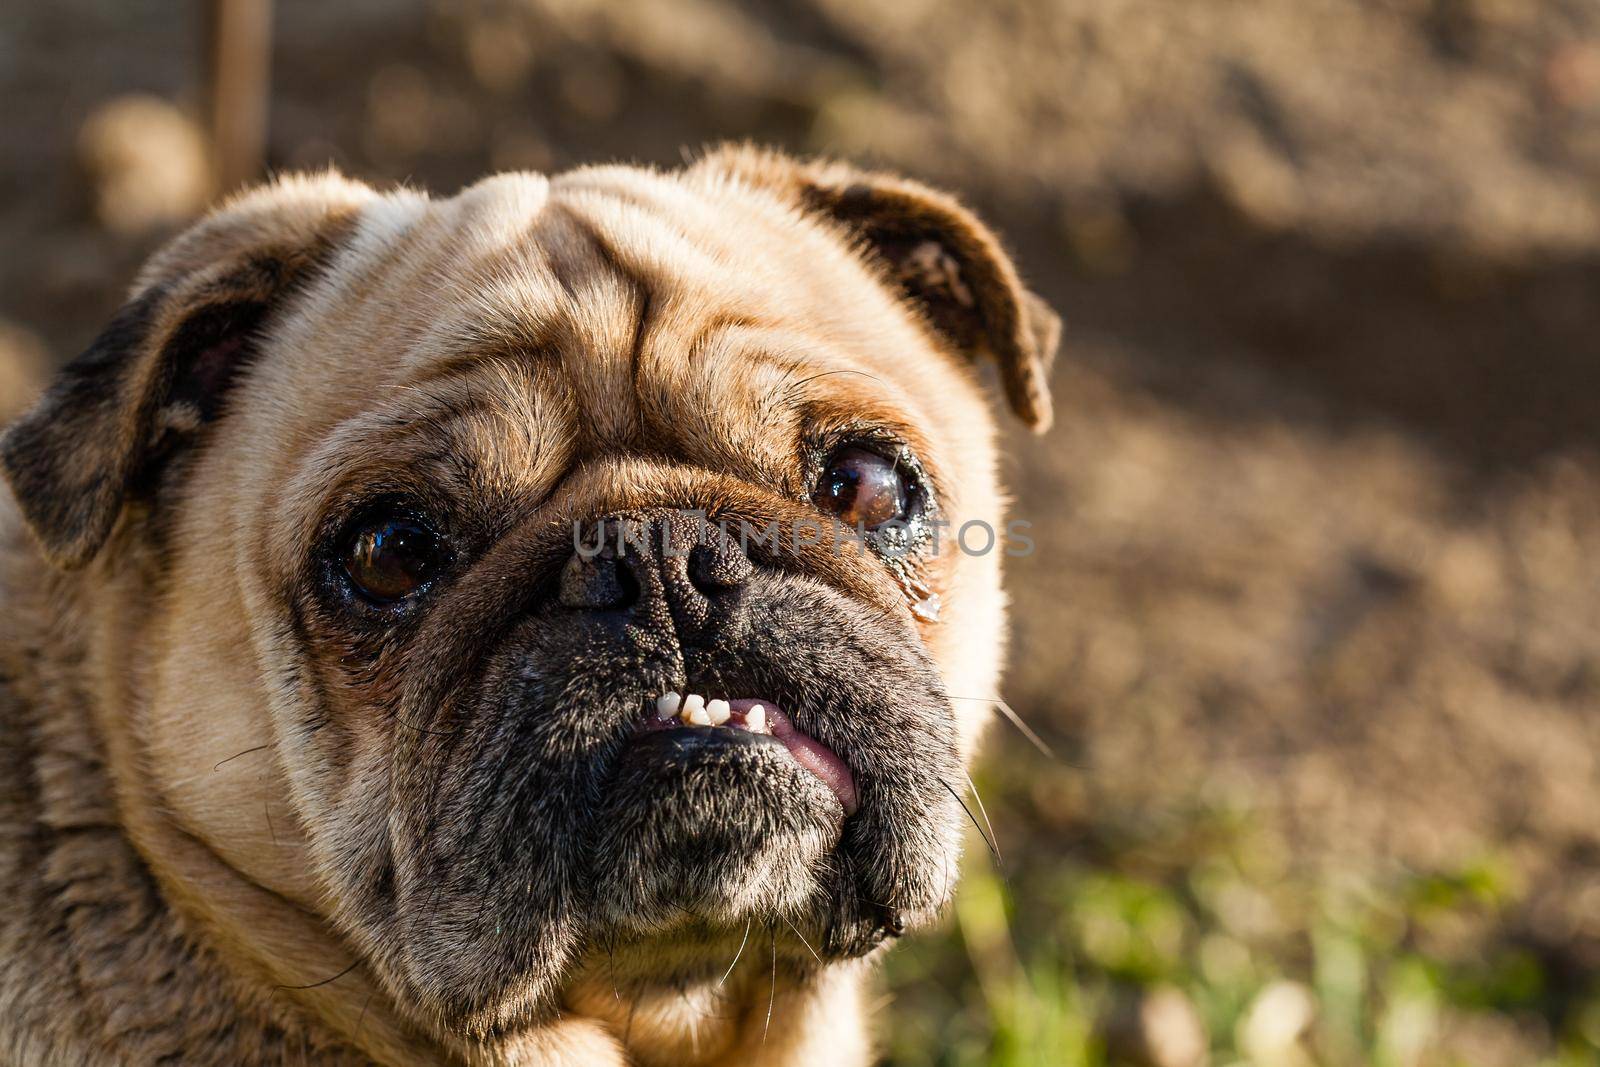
[912, 541]
[925, 603]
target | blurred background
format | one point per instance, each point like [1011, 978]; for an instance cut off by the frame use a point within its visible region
[1314, 624]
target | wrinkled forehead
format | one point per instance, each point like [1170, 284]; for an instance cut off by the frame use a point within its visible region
[527, 324]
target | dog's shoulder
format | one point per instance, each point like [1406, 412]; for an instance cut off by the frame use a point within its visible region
[38, 1004]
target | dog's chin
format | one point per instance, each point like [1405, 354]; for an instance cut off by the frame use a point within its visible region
[701, 836]
[711, 827]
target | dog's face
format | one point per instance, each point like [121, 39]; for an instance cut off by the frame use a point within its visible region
[511, 525]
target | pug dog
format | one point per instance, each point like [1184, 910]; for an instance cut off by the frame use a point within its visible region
[427, 637]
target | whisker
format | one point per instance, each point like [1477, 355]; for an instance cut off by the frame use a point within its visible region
[981, 811]
[401, 719]
[1016, 720]
[246, 752]
[772, 992]
[360, 1022]
[611, 965]
[802, 938]
[792, 392]
[736, 955]
[994, 853]
[354, 964]
[796, 383]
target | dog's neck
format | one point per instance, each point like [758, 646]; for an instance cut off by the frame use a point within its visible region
[144, 942]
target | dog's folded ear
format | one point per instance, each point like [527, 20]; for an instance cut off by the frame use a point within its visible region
[947, 263]
[161, 370]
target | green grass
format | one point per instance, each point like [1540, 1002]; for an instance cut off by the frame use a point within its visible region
[1046, 965]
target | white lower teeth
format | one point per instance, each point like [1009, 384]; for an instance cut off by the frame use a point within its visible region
[667, 706]
[694, 710]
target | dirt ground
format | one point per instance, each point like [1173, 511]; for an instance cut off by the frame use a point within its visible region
[1317, 528]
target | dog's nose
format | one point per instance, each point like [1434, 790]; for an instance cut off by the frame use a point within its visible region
[676, 563]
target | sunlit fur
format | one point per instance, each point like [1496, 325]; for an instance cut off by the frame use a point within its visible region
[195, 776]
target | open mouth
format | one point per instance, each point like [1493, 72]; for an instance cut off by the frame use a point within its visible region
[672, 711]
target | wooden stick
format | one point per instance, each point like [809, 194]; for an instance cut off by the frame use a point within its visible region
[239, 84]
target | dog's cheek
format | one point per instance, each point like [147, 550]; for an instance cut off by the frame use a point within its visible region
[338, 762]
[496, 791]
[490, 897]
[879, 698]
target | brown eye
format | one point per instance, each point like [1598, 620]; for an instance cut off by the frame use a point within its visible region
[862, 488]
[390, 559]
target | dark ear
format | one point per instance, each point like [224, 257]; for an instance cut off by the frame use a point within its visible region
[948, 264]
[161, 370]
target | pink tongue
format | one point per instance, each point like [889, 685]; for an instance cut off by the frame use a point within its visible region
[810, 753]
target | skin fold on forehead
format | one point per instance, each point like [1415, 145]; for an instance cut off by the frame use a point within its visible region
[616, 274]
[611, 311]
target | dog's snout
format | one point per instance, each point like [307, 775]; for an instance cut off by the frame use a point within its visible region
[678, 565]
[599, 583]
[717, 565]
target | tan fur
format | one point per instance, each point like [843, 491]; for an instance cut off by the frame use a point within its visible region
[609, 335]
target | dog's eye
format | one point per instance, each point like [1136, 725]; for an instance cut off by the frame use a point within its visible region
[389, 558]
[862, 488]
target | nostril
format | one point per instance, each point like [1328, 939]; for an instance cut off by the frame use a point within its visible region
[598, 582]
[719, 566]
